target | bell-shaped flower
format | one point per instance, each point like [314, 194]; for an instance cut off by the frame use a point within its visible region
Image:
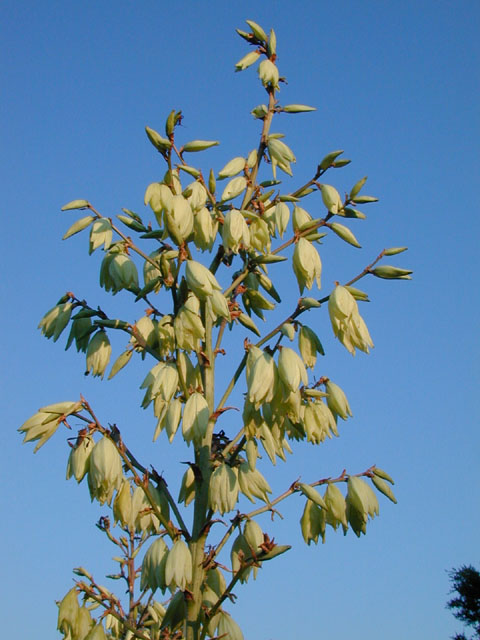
[235, 231]
[337, 400]
[291, 369]
[178, 567]
[223, 489]
[105, 471]
[347, 323]
[200, 280]
[153, 566]
[262, 377]
[98, 354]
[306, 264]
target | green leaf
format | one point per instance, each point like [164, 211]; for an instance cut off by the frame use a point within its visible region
[78, 226]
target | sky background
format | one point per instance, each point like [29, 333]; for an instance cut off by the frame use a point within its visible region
[396, 86]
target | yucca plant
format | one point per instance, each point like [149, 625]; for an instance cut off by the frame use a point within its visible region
[208, 263]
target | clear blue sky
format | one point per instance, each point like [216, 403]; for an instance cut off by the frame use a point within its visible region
[396, 86]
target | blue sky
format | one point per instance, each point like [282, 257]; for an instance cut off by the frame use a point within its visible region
[396, 86]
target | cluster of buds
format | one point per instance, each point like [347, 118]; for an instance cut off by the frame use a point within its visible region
[347, 323]
[161, 384]
[43, 424]
[135, 511]
[319, 422]
[252, 483]
[54, 321]
[319, 511]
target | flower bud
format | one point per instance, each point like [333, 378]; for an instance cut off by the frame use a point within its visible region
[268, 74]
[391, 273]
[247, 60]
[331, 198]
[337, 400]
[309, 345]
[236, 165]
[234, 188]
[300, 218]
